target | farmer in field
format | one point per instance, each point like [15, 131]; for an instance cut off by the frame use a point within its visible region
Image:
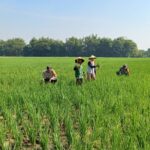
[91, 69]
[79, 70]
[50, 75]
[124, 70]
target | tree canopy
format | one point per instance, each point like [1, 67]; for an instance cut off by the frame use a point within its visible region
[101, 47]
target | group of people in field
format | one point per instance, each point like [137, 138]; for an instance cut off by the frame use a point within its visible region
[91, 69]
[50, 76]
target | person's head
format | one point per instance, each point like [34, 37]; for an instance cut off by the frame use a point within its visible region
[92, 58]
[48, 68]
[79, 60]
[125, 66]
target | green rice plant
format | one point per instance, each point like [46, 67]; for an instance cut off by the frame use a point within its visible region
[2, 137]
[44, 140]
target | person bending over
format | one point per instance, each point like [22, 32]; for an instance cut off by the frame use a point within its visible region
[49, 75]
[124, 70]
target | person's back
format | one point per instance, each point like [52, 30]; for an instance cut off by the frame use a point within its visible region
[53, 73]
[46, 74]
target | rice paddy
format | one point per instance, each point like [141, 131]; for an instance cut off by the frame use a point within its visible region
[109, 113]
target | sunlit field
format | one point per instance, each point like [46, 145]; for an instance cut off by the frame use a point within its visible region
[112, 112]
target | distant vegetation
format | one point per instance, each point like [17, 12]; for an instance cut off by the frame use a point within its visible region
[102, 47]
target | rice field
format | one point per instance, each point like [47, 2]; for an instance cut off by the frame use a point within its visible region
[107, 114]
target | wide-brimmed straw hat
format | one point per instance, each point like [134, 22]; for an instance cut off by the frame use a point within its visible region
[92, 57]
[79, 58]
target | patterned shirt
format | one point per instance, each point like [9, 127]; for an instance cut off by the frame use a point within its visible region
[49, 74]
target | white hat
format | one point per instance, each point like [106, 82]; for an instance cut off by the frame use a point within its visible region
[92, 57]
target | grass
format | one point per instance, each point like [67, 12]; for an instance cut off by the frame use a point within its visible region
[109, 113]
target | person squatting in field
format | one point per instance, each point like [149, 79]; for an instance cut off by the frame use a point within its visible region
[91, 69]
[79, 70]
[124, 70]
[49, 75]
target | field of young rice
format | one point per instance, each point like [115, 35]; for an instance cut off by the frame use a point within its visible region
[109, 113]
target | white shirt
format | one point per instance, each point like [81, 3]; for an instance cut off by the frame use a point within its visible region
[91, 70]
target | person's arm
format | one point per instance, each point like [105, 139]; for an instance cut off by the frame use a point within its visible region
[128, 71]
[90, 65]
[54, 73]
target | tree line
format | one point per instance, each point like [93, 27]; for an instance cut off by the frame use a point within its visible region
[101, 47]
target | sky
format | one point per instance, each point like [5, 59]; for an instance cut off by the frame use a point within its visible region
[61, 19]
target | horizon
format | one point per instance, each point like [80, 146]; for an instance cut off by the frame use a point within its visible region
[63, 19]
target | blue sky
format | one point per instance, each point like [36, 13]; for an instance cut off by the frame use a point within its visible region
[61, 19]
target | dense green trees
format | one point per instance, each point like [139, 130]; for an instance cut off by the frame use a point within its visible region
[12, 47]
[148, 52]
[102, 47]
[44, 47]
[2, 43]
